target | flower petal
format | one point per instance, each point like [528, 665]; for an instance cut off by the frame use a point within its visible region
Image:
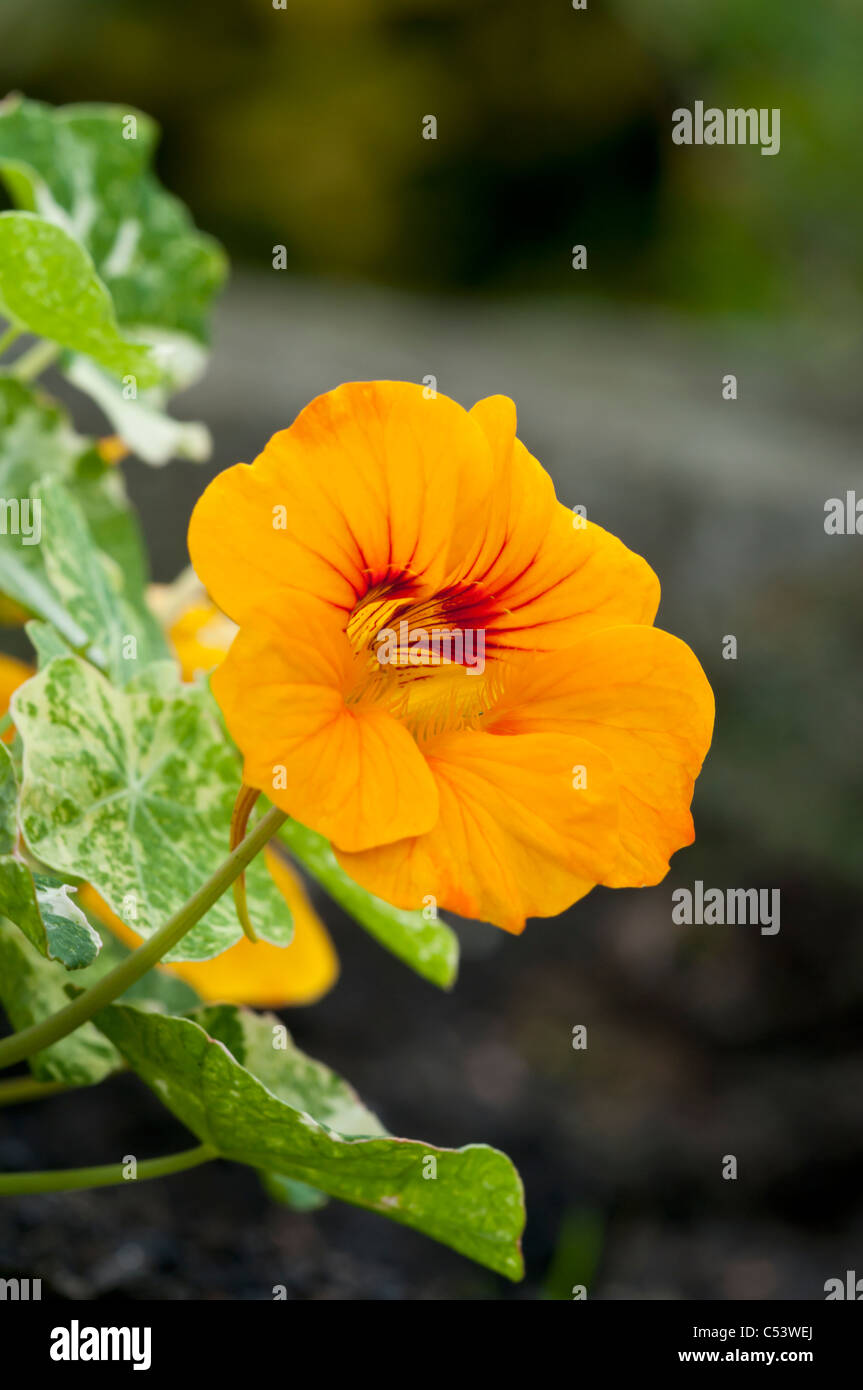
[200, 637]
[514, 838]
[641, 696]
[371, 481]
[351, 772]
[12, 674]
[555, 574]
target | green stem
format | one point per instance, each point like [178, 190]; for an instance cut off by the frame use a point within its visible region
[35, 360]
[124, 975]
[5, 723]
[105, 1175]
[8, 338]
[19, 1088]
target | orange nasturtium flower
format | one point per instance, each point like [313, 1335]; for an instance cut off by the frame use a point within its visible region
[368, 555]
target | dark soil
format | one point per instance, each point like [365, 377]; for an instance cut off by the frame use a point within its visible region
[700, 1045]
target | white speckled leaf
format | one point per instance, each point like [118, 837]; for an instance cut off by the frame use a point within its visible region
[79, 167]
[38, 903]
[429, 947]
[90, 585]
[46, 641]
[261, 1043]
[33, 435]
[41, 906]
[37, 439]
[474, 1204]
[31, 989]
[142, 423]
[49, 286]
[133, 790]
[295, 1078]
[8, 802]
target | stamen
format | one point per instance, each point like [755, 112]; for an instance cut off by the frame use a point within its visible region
[422, 656]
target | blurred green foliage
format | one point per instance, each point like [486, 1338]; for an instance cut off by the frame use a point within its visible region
[576, 1256]
[302, 127]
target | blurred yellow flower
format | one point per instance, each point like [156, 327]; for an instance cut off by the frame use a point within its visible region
[11, 613]
[12, 674]
[111, 449]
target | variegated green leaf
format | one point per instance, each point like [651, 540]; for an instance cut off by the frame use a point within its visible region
[31, 989]
[46, 641]
[470, 1199]
[141, 420]
[49, 287]
[8, 802]
[427, 945]
[52, 921]
[37, 439]
[31, 431]
[38, 903]
[262, 1044]
[133, 790]
[88, 169]
[288, 1193]
[90, 585]
[100, 491]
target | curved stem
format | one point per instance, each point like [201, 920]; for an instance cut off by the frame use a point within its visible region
[246, 798]
[16, 1089]
[7, 338]
[28, 366]
[118, 980]
[19, 1088]
[105, 1175]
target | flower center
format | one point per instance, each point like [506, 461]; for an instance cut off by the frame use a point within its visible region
[422, 656]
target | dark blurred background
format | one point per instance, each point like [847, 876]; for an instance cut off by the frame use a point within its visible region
[409, 257]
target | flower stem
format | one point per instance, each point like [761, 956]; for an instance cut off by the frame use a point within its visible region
[246, 798]
[35, 360]
[5, 723]
[105, 1175]
[8, 337]
[19, 1088]
[118, 980]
